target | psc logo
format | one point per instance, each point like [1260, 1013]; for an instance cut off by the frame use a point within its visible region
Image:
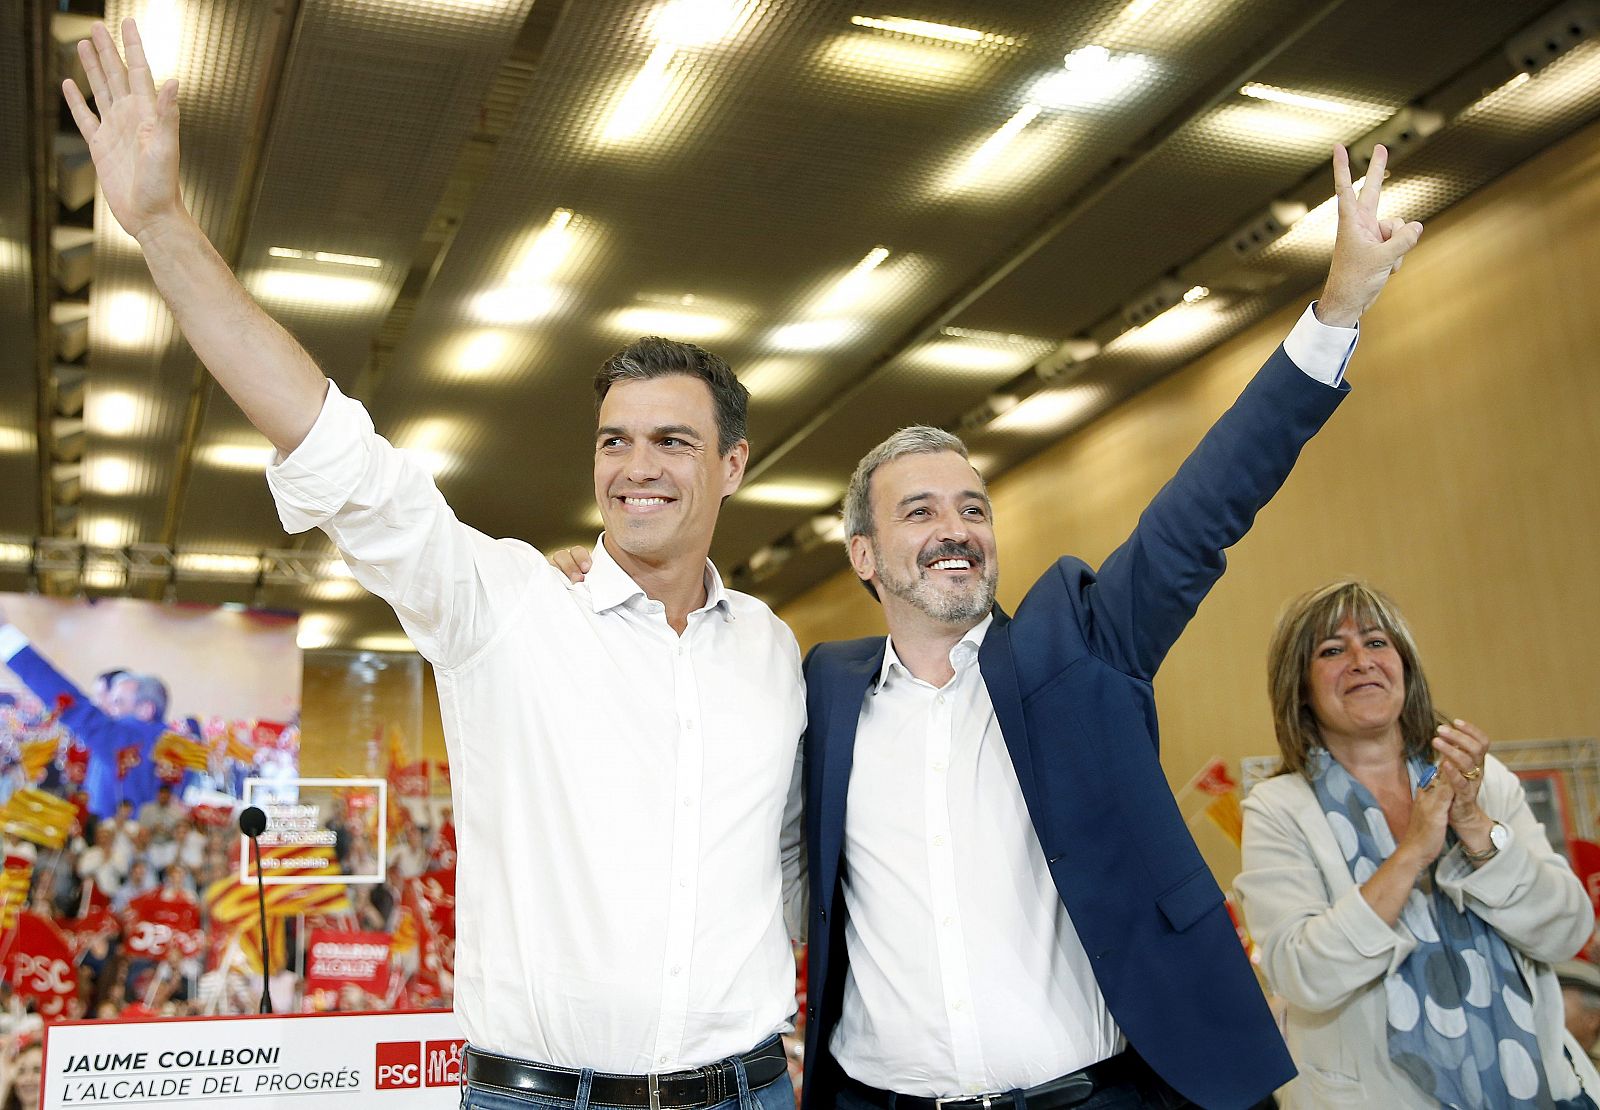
[403, 1064]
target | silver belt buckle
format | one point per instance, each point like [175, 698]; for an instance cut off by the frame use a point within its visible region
[655, 1091]
[941, 1103]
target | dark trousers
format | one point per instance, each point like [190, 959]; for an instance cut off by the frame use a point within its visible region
[1144, 1091]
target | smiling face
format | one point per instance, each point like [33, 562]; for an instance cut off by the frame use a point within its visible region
[1356, 683]
[932, 552]
[658, 478]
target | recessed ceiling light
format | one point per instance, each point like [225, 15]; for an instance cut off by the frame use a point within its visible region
[129, 319]
[812, 335]
[480, 352]
[1196, 293]
[691, 23]
[326, 257]
[923, 29]
[15, 440]
[238, 456]
[1049, 410]
[386, 641]
[111, 412]
[669, 322]
[646, 95]
[217, 565]
[105, 531]
[806, 495]
[850, 288]
[317, 630]
[335, 589]
[545, 250]
[1008, 354]
[774, 379]
[108, 474]
[992, 147]
[161, 31]
[1294, 99]
[1089, 75]
[310, 289]
[433, 441]
[515, 304]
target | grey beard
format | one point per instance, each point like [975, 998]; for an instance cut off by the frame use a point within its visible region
[968, 608]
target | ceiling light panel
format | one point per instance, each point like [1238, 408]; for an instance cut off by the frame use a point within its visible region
[19, 473]
[372, 113]
[246, 456]
[810, 494]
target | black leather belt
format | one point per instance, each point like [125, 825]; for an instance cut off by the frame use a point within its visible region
[1069, 1090]
[705, 1086]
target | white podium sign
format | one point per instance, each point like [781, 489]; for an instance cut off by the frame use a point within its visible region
[379, 1060]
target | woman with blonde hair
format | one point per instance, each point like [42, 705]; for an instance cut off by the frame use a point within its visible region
[1407, 903]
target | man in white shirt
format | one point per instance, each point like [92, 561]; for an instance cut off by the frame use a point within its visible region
[623, 753]
[1007, 909]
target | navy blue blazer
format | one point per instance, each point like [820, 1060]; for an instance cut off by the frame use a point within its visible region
[1070, 678]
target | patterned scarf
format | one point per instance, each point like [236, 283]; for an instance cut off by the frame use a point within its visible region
[1461, 1020]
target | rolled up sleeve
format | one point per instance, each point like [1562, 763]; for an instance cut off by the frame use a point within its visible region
[449, 584]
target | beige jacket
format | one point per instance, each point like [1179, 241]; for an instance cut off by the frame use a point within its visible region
[1326, 952]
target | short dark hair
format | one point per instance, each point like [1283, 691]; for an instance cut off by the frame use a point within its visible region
[651, 356]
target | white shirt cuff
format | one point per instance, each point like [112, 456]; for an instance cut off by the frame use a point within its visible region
[1321, 351]
[11, 641]
[317, 478]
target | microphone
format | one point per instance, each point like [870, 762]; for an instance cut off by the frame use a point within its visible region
[253, 822]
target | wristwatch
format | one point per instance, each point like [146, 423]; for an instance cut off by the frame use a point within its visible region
[1499, 838]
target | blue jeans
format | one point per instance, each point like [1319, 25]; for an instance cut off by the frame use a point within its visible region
[777, 1095]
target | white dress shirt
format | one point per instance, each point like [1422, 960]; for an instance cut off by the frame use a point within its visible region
[966, 975]
[622, 794]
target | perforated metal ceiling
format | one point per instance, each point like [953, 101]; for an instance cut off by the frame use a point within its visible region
[715, 182]
[19, 459]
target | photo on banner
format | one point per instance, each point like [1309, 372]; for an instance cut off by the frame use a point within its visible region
[112, 698]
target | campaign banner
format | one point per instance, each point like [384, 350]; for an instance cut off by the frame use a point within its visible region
[335, 958]
[36, 959]
[381, 1061]
[159, 920]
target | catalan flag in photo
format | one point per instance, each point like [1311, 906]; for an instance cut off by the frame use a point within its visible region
[36, 816]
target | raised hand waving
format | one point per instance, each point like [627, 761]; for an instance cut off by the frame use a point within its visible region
[132, 131]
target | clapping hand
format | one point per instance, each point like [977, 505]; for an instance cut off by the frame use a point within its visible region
[1462, 748]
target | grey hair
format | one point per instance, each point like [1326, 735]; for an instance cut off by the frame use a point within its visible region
[148, 690]
[651, 356]
[918, 439]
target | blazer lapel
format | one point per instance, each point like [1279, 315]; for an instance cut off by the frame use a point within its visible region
[838, 754]
[999, 669]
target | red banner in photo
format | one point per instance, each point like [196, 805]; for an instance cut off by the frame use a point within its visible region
[335, 958]
[159, 920]
[36, 960]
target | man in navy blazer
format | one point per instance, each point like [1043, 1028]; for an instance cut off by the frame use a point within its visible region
[1006, 907]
